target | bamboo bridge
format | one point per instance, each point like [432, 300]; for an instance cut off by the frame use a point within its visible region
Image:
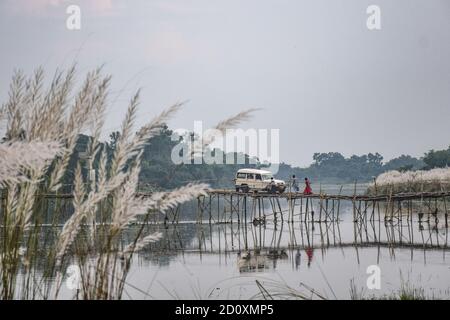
[222, 205]
[226, 206]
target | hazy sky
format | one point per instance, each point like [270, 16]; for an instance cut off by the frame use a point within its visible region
[323, 79]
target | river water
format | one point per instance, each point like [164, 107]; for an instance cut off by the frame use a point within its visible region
[291, 260]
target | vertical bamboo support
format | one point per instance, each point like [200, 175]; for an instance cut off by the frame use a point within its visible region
[245, 208]
[293, 210]
[333, 213]
[199, 208]
[263, 209]
[338, 210]
[218, 206]
[321, 207]
[259, 209]
[274, 210]
[289, 199]
[301, 208]
[238, 209]
[210, 211]
[354, 204]
[306, 209]
[210, 206]
[279, 208]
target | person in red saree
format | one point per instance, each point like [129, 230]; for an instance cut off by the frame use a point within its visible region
[308, 189]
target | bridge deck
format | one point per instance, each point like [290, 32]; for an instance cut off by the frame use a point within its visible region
[298, 195]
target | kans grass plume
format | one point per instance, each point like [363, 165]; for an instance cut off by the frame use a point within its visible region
[19, 158]
[434, 180]
[41, 127]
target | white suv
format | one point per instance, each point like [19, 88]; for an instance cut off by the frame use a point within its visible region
[257, 180]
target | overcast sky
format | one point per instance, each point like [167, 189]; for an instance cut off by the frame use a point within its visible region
[321, 77]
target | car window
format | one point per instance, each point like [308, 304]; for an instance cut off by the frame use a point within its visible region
[258, 177]
[250, 176]
[241, 175]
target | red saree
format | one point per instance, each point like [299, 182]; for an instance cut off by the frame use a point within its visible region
[308, 189]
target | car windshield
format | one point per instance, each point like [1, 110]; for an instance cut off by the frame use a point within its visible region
[267, 176]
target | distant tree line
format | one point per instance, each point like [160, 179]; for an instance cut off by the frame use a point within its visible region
[159, 172]
[333, 167]
[437, 159]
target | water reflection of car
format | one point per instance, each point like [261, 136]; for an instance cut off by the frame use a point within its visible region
[257, 180]
[255, 260]
[251, 262]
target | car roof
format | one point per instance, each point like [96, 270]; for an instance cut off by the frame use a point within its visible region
[254, 171]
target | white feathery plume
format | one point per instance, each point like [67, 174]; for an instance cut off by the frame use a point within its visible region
[434, 180]
[154, 126]
[18, 158]
[161, 201]
[198, 146]
[126, 149]
[15, 106]
[72, 226]
[125, 196]
[141, 243]
[90, 103]
[419, 176]
[121, 153]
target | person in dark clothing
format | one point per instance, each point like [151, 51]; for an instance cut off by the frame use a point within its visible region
[295, 187]
[273, 187]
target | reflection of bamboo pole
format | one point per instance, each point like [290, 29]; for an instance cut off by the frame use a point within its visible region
[322, 242]
[279, 208]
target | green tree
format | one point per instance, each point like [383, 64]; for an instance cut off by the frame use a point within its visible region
[437, 159]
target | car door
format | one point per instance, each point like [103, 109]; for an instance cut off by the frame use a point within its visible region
[251, 180]
[258, 182]
[241, 178]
